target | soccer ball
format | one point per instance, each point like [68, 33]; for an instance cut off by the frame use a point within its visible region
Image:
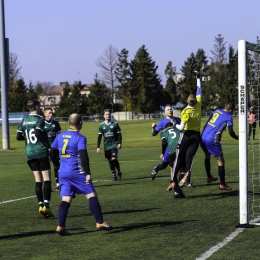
[180, 78]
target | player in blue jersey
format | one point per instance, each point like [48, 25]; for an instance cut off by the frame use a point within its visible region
[169, 118]
[36, 145]
[211, 138]
[74, 174]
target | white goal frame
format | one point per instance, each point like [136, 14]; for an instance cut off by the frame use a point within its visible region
[243, 86]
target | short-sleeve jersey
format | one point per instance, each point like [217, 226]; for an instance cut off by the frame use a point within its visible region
[191, 116]
[164, 121]
[52, 128]
[69, 143]
[172, 136]
[216, 124]
[110, 132]
[34, 148]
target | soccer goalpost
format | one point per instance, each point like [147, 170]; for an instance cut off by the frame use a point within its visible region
[249, 150]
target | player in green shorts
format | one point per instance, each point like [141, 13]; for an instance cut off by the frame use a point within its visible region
[36, 145]
[112, 143]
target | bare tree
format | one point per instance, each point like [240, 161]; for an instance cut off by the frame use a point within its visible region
[15, 70]
[107, 62]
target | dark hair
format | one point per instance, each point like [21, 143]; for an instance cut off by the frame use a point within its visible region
[168, 124]
[229, 106]
[32, 104]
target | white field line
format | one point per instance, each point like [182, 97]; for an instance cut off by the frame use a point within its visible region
[215, 248]
[8, 201]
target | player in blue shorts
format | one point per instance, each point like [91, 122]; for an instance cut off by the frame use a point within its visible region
[169, 118]
[211, 138]
[74, 174]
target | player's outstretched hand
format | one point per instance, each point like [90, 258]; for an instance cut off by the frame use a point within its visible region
[154, 125]
[98, 150]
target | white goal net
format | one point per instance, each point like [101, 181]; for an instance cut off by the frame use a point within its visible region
[249, 132]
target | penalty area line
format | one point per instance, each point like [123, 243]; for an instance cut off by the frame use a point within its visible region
[215, 248]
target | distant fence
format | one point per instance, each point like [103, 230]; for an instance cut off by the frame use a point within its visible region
[15, 118]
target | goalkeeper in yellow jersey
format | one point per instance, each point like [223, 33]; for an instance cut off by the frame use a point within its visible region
[188, 146]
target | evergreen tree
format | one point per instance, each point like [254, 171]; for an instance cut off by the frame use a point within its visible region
[170, 87]
[18, 97]
[78, 102]
[98, 98]
[229, 92]
[218, 77]
[219, 53]
[190, 86]
[31, 92]
[145, 82]
[123, 77]
[64, 106]
[201, 59]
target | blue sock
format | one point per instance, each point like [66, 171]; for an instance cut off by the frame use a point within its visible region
[95, 209]
[62, 213]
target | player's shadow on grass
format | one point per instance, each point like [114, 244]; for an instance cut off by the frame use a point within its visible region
[116, 212]
[40, 233]
[113, 184]
[147, 226]
[216, 196]
[213, 184]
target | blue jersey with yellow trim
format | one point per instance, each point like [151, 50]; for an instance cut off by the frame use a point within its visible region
[69, 143]
[216, 124]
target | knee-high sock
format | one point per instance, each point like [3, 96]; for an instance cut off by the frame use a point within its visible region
[112, 167]
[95, 209]
[38, 191]
[221, 173]
[62, 213]
[161, 166]
[116, 163]
[207, 167]
[47, 193]
[56, 175]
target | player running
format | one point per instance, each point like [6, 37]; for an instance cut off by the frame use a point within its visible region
[74, 175]
[211, 138]
[169, 118]
[112, 143]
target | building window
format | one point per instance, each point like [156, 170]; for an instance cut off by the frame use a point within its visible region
[52, 100]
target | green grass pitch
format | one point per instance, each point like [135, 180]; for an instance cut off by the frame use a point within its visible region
[148, 222]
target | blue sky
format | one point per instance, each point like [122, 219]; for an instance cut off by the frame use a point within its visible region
[61, 40]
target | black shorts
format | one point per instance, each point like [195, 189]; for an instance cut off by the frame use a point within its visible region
[42, 164]
[111, 153]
